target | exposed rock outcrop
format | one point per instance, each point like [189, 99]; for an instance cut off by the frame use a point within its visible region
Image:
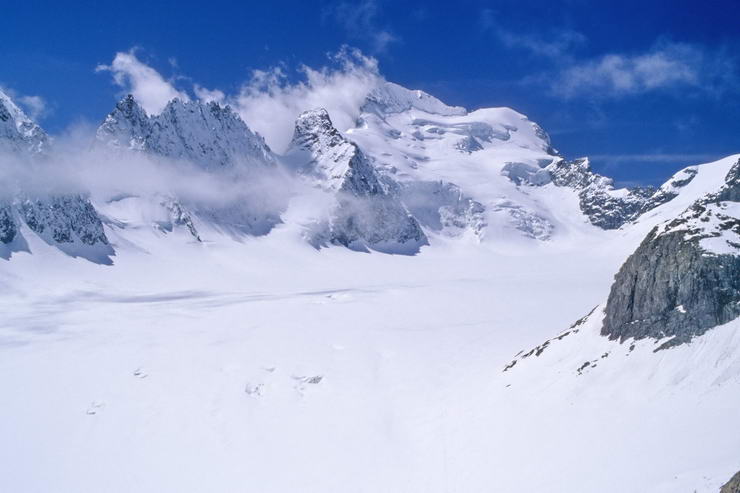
[684, 278]
[605, 206]
[732, 486]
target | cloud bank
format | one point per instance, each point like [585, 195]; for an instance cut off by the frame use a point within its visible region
[147, 85]
[269, 103]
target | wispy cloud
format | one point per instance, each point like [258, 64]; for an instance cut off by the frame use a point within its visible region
[147, 85]
[552, 43]
[666, 65]
[361, 21]
[208, 95]
[36, 107]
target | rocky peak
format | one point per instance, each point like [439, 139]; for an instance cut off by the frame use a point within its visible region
[127, 126]
[18, 133]
[315, 132]
[332, 157]
[207, 134]
[369, 212]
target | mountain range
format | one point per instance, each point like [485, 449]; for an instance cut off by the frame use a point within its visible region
[443, 240]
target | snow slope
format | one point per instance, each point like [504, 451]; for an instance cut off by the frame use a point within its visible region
[260, 363]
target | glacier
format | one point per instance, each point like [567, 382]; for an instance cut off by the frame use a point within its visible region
[425, 301]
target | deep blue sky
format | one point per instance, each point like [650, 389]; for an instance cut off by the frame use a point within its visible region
[644, 87]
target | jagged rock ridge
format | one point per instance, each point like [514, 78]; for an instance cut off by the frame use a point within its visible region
[368, 214]
[603, 204]
[59, 219]
[208, 134]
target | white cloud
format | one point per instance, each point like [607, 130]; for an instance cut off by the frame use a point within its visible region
[147, 85]
[35, 106]
[664, 66]
[208, 95]
[269, 104]
[360, 21]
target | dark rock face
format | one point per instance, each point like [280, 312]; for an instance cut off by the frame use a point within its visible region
[8, 226]
[598, 200]
[674, 285]
[64, 219]
[732, 486]
[671, 287]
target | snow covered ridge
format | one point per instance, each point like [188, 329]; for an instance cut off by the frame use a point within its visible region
[208, 134]
[18, 133]
[68, 221]
[368, 212]
[684, 278]
[412, 170]
[713, 220]
[391, 98]
[605, 206]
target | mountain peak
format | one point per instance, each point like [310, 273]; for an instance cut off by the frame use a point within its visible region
[207, 134]
[389, 98]
[18, 133]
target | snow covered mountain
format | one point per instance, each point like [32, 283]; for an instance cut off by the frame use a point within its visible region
[208, 134]
[67, 221]
[218, 349]
[18, 133]
[368, 211]
[210, 137]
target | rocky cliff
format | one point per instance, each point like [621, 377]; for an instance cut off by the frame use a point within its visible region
[685, 276]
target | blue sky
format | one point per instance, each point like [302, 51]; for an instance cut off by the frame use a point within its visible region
[642, 87]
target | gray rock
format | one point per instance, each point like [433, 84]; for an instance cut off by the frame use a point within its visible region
[468, 145]
[604, 206]
[673, 285]
[63, 219]
[732, 486]
[8, 225]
